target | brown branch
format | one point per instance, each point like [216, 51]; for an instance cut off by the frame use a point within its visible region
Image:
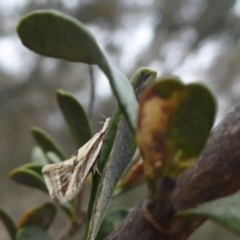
[214, 175]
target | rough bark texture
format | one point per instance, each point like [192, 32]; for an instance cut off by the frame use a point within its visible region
[214, 175]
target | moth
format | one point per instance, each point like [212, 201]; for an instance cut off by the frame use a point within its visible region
[64, 180]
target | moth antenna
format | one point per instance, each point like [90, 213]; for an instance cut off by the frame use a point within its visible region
[103, 116]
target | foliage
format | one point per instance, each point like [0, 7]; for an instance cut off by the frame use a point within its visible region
[224, 211]
[170, 125]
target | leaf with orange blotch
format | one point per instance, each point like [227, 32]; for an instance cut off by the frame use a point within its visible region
[42, 216]
[133, 177]
[174, 122]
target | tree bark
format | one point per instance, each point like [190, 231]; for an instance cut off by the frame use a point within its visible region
[215, 174]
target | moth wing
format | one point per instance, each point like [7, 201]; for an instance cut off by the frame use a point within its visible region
[58, 177]
[87, 156]
[64, 180]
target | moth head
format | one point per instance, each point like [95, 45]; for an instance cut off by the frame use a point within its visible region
[106, 125]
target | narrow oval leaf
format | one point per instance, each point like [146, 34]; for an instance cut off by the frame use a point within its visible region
[42, 216]
[32, 233]
[114, 166]
[36, 167]
[29, 178]
[53, 157]
[38, 156]
[55, 34]
[110, 222]
[46, 142]
[142, 78]
[51, 33]
[174, 122]
[106, 150]
[75, 116]
[8, 223]
[225, 211]
[132, 177]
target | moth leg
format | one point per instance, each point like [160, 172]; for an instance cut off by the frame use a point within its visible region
[95, 169]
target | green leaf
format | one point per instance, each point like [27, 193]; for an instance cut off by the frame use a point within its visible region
[225, 211]
[8, 223]
[113, 167]
[53, 157]
[142, 78]
[46, 142]
[110, 222]
[42, 216]
[106, 149]
[32, 233]
[174, 123]
[75, 116]
[53, 34]
[38, 156]
[192, 122]
[36, 167]
[133, 175]
[29, 178]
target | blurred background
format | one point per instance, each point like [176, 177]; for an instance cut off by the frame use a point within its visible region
[197, 40]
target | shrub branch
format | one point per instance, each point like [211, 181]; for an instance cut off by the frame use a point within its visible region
[214, 175]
